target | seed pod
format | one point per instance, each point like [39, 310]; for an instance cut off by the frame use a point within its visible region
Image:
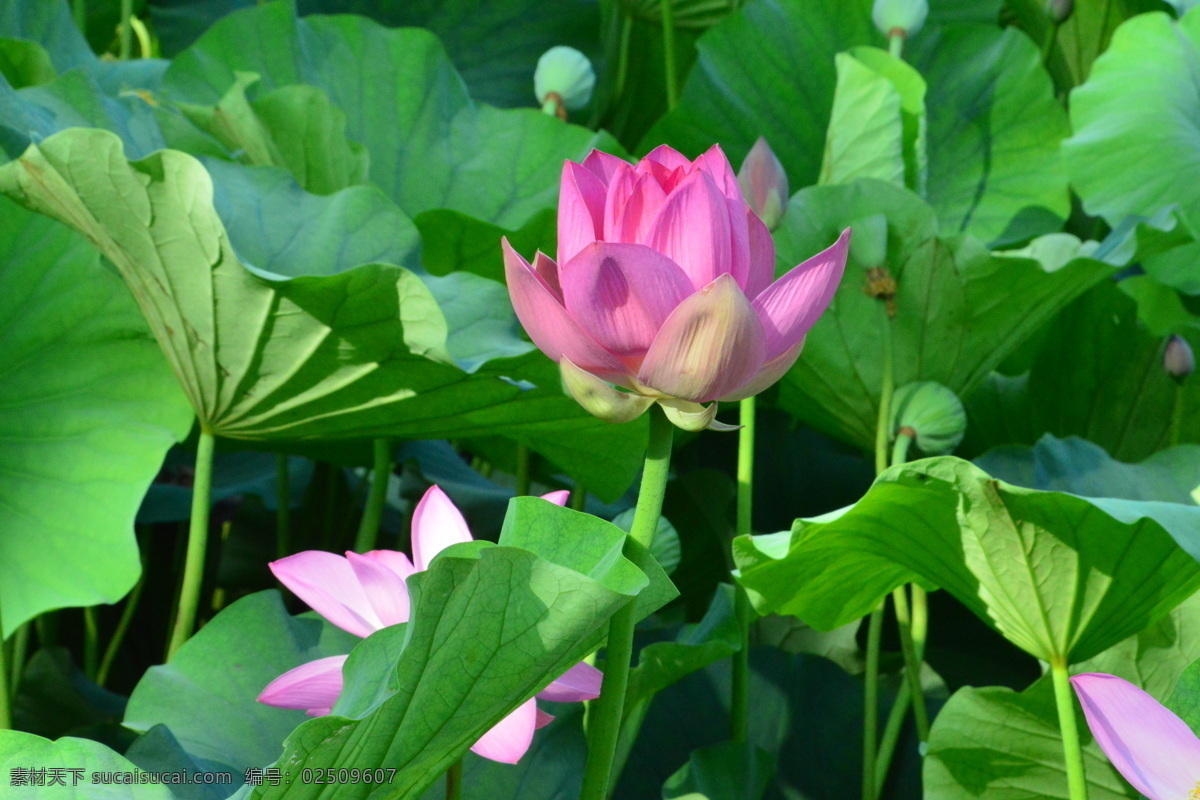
[933, 413]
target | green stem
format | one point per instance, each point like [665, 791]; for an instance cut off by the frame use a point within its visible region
[920, 620]
[1048, 44]
[891, 736]
[623, 52]
[631, 726]
[739, 707]
[118, 636]
[896, 44]
[283, 514]
[524, 480]
[454, 781]
[871, 703]
[91, 642]
[668, 24]
[126, 30]
[193, 567]
[20, 647]
[578, 497]
[5, 703]
[381, 471]
[606, 724]
[900, 448]
[883, 421]
[912, 664]
[1176, 415]
[1064, 699]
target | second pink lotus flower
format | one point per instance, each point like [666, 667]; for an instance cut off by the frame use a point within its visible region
[365, 593]
[664, 285]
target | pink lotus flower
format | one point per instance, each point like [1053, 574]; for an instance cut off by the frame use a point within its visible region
[1154, 749]
[365, 593]
[664, 285]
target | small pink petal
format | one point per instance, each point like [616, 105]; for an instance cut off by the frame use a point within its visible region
[436, 524]
[385, 590]
[511, 736]
[619, 191]
[581, 682]
[621, 294]
[328, 584]
[667, 156]
[717, 165]
[693, 230]
[792, 304]
[314, 686]
[543, 719]
[630, 218]
[710, 345]
[394, 560]
[559, 498]
[547, 270]
[547, 322]
[762, 256]
[580, 210]
[1155, 751]
[764, 183]
[605, 165]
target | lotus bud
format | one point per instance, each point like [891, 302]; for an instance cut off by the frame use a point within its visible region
[1178, 359]
[764, 184]
[931, 414]
[905, 16]
[563, 81]
[1059, 10]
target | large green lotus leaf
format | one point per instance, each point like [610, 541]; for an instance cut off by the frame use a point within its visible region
[359, 353]
[1185, 700]
[491, 626]
[1099, 376]
[25, 751]
[25, 63]
[90, 411]
[276, 226]
[1136, 145]
[877, 125]
[431, 146]
[74, 100]
[51, 26]
[1080, 467]
[1002, 745]
[993, 130]
[1060, 576]
[295, 127]
[995, 170]
[217, 674]
[951, 324]
[495, 46]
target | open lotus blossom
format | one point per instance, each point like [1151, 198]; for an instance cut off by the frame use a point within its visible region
[664, 285]
[1154, 749]
[365, 593]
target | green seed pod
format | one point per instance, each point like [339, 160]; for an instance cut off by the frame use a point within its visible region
[903, 15]
[567, 73]
[933, 415]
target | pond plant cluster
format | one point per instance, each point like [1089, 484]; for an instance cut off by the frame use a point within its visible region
[587, 399]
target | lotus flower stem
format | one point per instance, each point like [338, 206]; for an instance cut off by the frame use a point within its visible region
[739, 721]
[17, 656]
[5, 707]
[896, 44]
[454, 781]
[197, 545]
[381, 471]
[91, 642]
[1176, 416]
[623, 52]
[283, 513]
[118, 635]
[668, 24]
[126, 30]
[606, 723]
[524, 479]
[871, 703]
[891, 735]
[912, 664]
[1064, 699]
